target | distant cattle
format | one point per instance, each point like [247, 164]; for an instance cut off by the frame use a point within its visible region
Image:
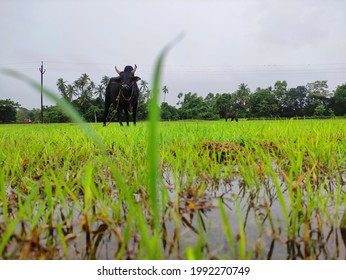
[232, 116]
[123, 93]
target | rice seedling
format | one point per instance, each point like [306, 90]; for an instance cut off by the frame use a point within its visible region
[272, 192]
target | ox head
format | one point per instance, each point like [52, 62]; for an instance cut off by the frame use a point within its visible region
[127, 68]
[126, 80]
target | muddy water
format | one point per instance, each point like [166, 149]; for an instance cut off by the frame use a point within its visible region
[262, 217]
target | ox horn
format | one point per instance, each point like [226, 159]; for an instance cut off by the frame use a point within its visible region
[116, 70]
[134, 69]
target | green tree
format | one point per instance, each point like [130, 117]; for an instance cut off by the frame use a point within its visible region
[67, 91]
[280, 92]
[318, 95]
[165, 91]
[169, 112]
[320, 110]
[263, 103]
[194, 107]
[143, 86]
[100, 91]
[83, 84]
[23, 113]
[339, 100]
[105, 81]
[224, 103]
[8, 110]
[144, 96]
[210, 101]
[54, 114]
[241, 100]
[294, 102]
[180, 96]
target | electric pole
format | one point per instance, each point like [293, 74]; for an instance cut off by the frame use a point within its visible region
[42, 72]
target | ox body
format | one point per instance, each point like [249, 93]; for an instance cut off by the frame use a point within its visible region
[232, 116]
[123, 93]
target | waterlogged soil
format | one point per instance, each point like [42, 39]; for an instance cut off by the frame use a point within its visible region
[262, 221]
[243, 205]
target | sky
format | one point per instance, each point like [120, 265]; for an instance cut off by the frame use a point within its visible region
[224, 43]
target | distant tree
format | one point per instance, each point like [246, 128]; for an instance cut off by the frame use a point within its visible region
[180, 95]
[318, 95]
[23, 113]
[83, 85]
[165, 91]
[36, 114]
[143, 86]
[100, 91]
[210, 101]
[61, 84]
[263, 103]
[105, 81]
[280, 91]
[142, 109]
[318, 87]
[339, 100]
[320, 111]
[169, 112]
[54, 114]
[93, 113]
[241, 100]
[294, 102]
[224, 103]
[194, 107]
[67, 91]
[144, 96]
[8, 110]
[84, 89]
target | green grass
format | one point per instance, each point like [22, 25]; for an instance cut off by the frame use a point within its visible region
[275, 190]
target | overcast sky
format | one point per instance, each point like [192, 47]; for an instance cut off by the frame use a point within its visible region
[225, 43]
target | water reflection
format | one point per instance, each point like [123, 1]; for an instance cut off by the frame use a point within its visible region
[192, 218]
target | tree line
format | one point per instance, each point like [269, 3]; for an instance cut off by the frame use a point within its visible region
[278, 101]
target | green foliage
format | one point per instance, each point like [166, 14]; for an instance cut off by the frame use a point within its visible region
[54, 114]
[169, 112]
[312, 100]
[8, 110]
[339, 100]
[263, 103]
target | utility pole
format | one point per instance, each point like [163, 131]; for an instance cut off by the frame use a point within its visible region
[42, 72]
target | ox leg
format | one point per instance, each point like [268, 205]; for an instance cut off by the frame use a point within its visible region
[126, 115]
[119, 115]
[134, 114]
[107, 105]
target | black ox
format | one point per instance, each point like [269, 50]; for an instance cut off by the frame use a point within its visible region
[123, 93]
[232, 116]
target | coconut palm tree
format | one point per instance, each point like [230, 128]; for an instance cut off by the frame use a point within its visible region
[70, 91]
[242, 96]
[81, 84]
[143, 86]
[61, 84]
[100, 91]
[105, 81]
[165, 91]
